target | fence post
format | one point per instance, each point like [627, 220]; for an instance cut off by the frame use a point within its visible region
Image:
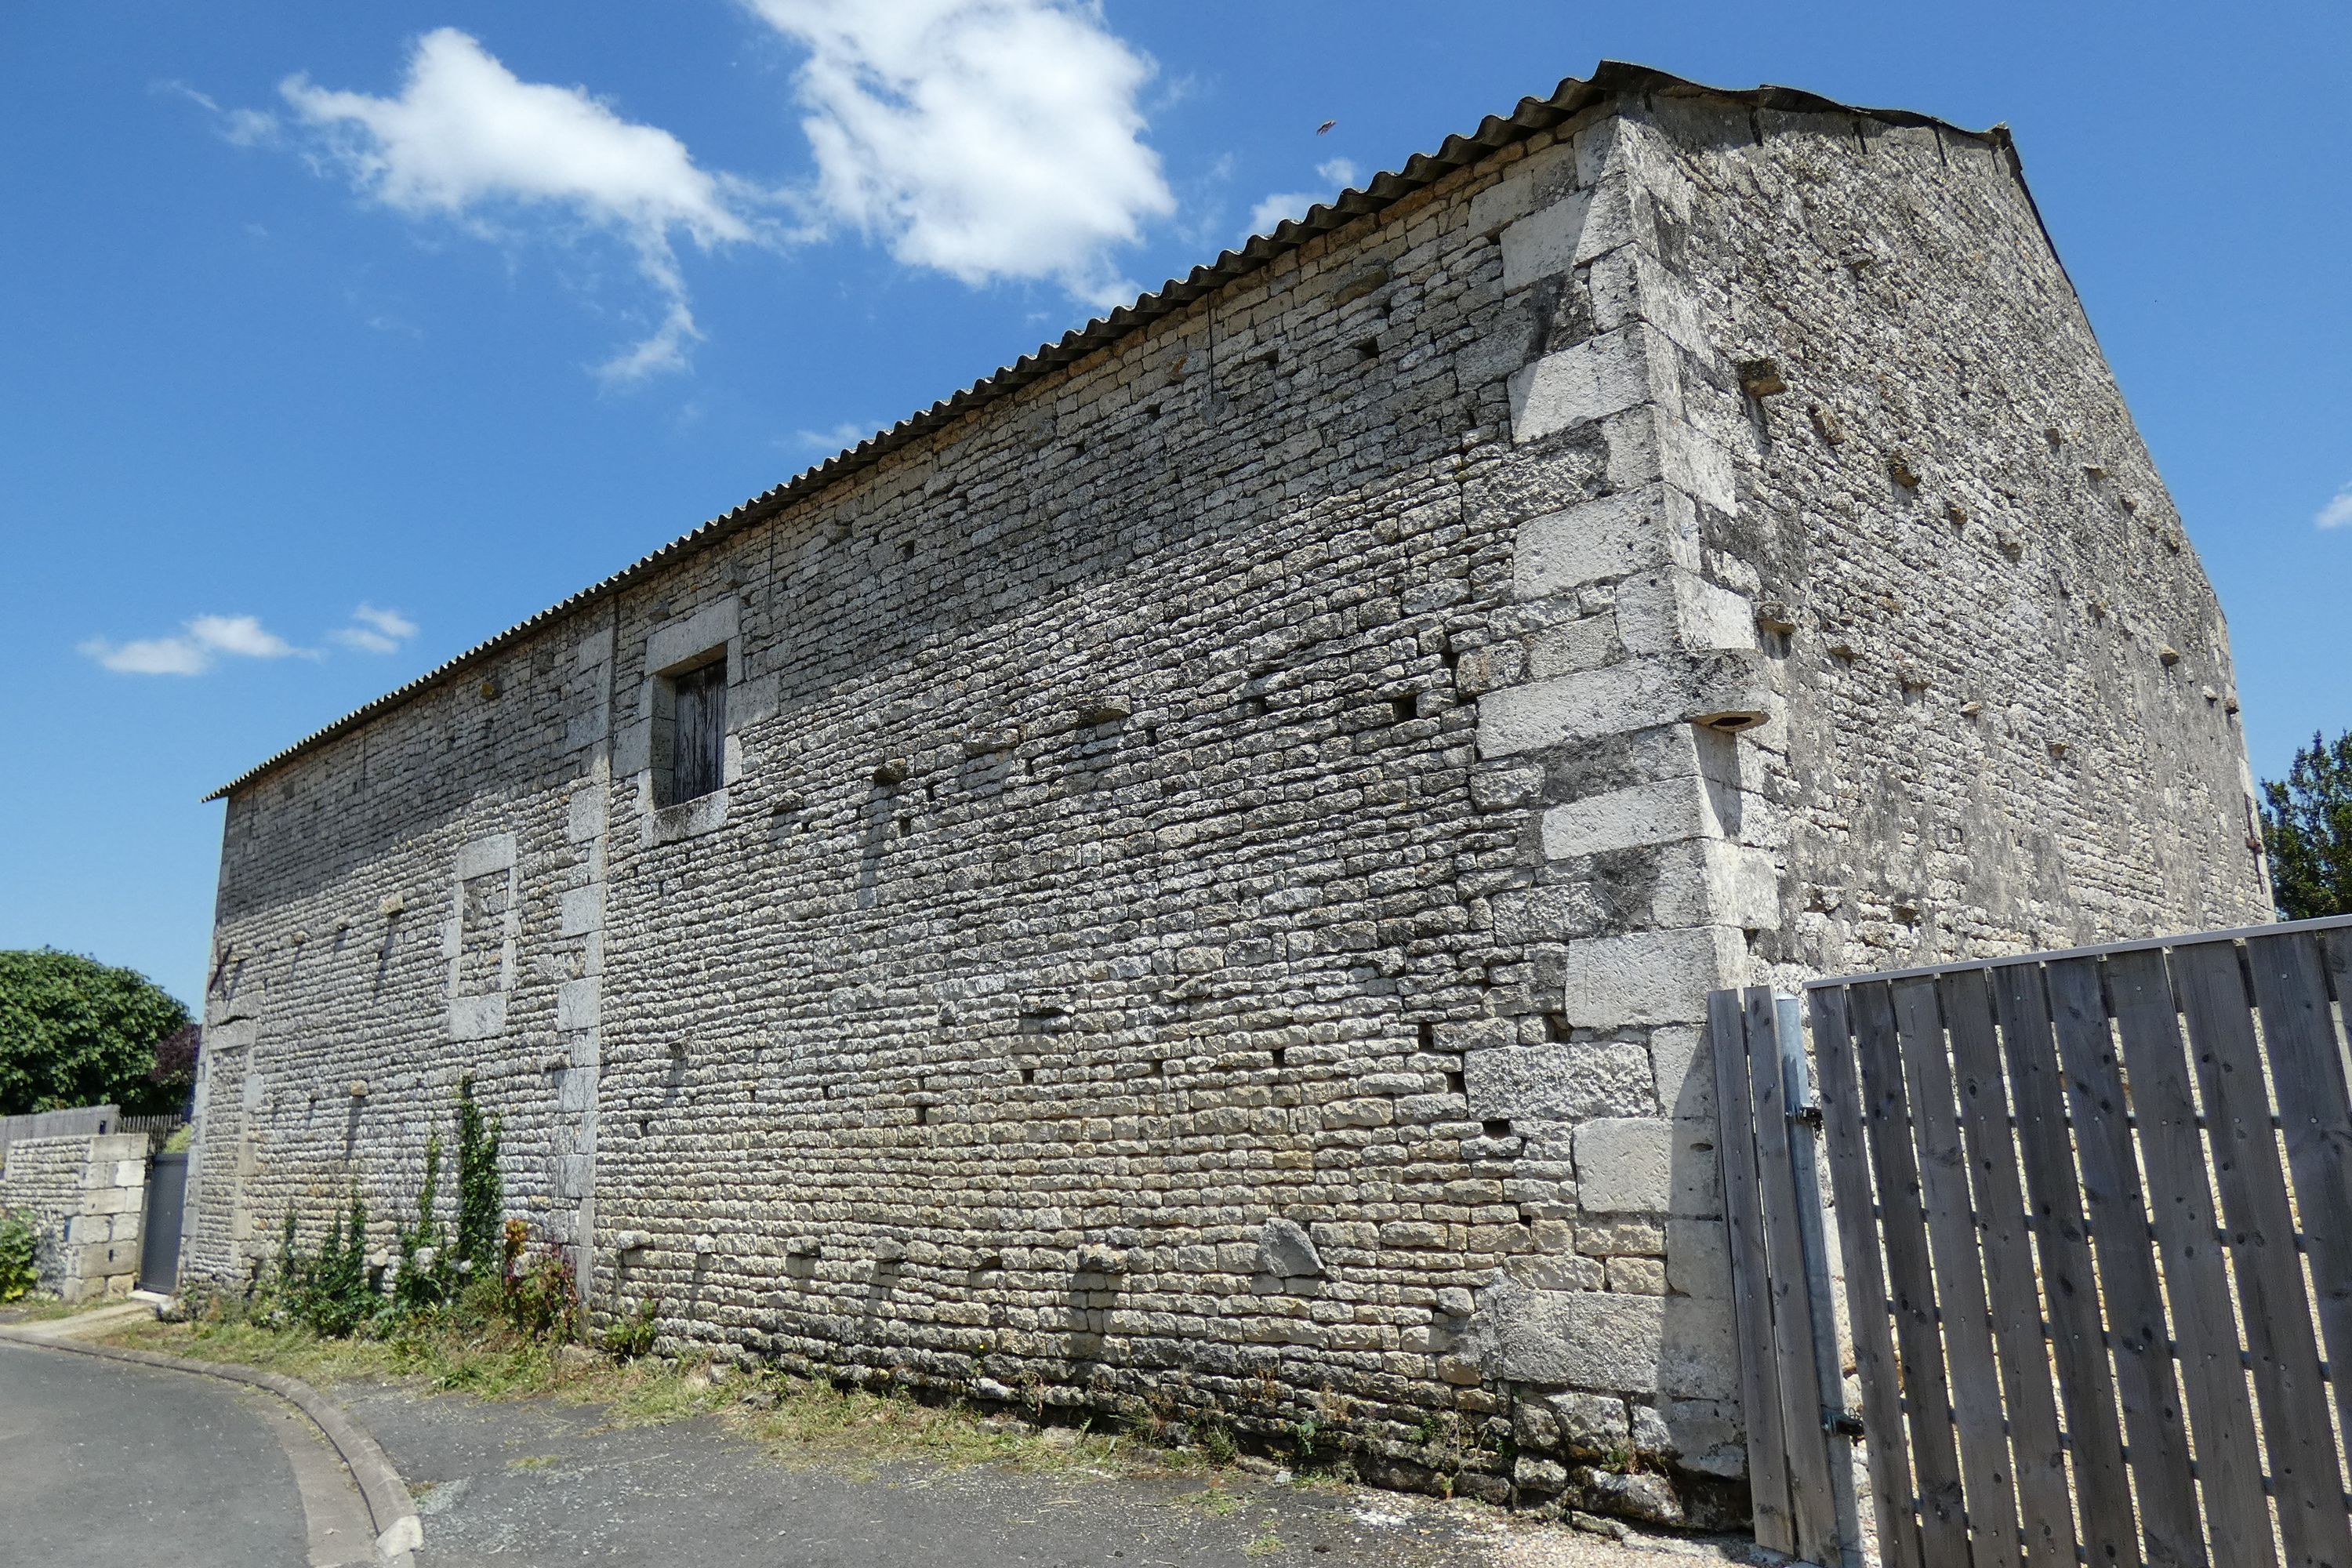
[1804, 1158]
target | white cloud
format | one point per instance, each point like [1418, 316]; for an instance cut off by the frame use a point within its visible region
[466, 139]
[375, 631]
[987, 139]
[2337, 512]
[238, 127]
[239, 634]
[195, 649]
[840, 438]
[1337, 174]
[151, 656]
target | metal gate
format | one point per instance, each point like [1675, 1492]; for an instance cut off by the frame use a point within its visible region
[2095, 1211]
[159, 1233]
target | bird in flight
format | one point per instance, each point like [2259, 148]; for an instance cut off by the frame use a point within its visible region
[1324, 128]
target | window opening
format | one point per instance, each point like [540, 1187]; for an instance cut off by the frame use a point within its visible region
[694, 753]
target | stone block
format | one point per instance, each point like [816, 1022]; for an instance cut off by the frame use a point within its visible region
[1670, 609]
[1630, 531]
[1698, 1355]
[1638, 1276]
[1707, 881]
[1539, 178]
[688, 637]
[1705, 1436]
[1624, 1165]
[575, 1093]
[632, 748]
[1593, 379]
[1650, 976]
[1582, 645]
[1286, 1251]
[1639, 694]
[1649, 445]
[484, 856]
[115, 1199]
[1569, 1081]
[574, 1175]
[1698, 1258]
[478, 1017]
[1685, 1069]
[1586, 1339]
[583, 910]
[1550, 913]
[576, 1003]
[1621, 214]
[1662, 811]
[1630, 284]
[1591, 1426]
[1546, 241]
[584, 815]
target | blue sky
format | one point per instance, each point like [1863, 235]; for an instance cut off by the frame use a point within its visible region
[339, 337]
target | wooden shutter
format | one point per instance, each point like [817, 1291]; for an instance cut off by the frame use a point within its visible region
[698, 760]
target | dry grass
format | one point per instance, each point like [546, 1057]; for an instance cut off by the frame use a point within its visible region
[796, 1421]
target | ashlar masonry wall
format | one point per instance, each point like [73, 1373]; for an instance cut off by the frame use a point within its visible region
[86, 1199]
[1223, 844]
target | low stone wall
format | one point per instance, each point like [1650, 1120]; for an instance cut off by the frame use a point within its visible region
[86, 1198]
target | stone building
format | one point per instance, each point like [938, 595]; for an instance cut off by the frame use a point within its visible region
[1181, 881]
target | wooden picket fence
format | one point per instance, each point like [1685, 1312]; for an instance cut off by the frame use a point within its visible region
[2096, 1213]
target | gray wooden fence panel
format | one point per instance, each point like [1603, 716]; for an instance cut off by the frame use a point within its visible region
[1804, 1161]
[1943, 1521]
[1866, 1284]
[1812, 1501]
[1760, 1392]
[2138, 1332]
[2091, 1134]
[2045, 1496]
[2196, 1279]
[2070, 1284]
[2290, 987]
[2305, 1475]
[1967, 1319]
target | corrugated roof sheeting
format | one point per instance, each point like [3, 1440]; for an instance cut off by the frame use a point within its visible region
[1611, 80]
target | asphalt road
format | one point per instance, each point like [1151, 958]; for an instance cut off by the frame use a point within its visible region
[533, 1482]
[106, 1464]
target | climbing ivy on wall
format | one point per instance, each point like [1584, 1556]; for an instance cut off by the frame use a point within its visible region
[480, 1196]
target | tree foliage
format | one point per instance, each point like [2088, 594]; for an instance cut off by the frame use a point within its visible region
[2308, 831]
[74, 1032]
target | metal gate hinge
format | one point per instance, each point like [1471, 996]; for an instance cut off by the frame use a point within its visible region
[1846, 1426]
[1811, 1115]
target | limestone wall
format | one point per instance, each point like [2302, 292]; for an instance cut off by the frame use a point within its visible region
[1225, 847]
[86, 1198]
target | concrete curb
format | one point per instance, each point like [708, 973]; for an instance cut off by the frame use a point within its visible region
[391, 1509]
